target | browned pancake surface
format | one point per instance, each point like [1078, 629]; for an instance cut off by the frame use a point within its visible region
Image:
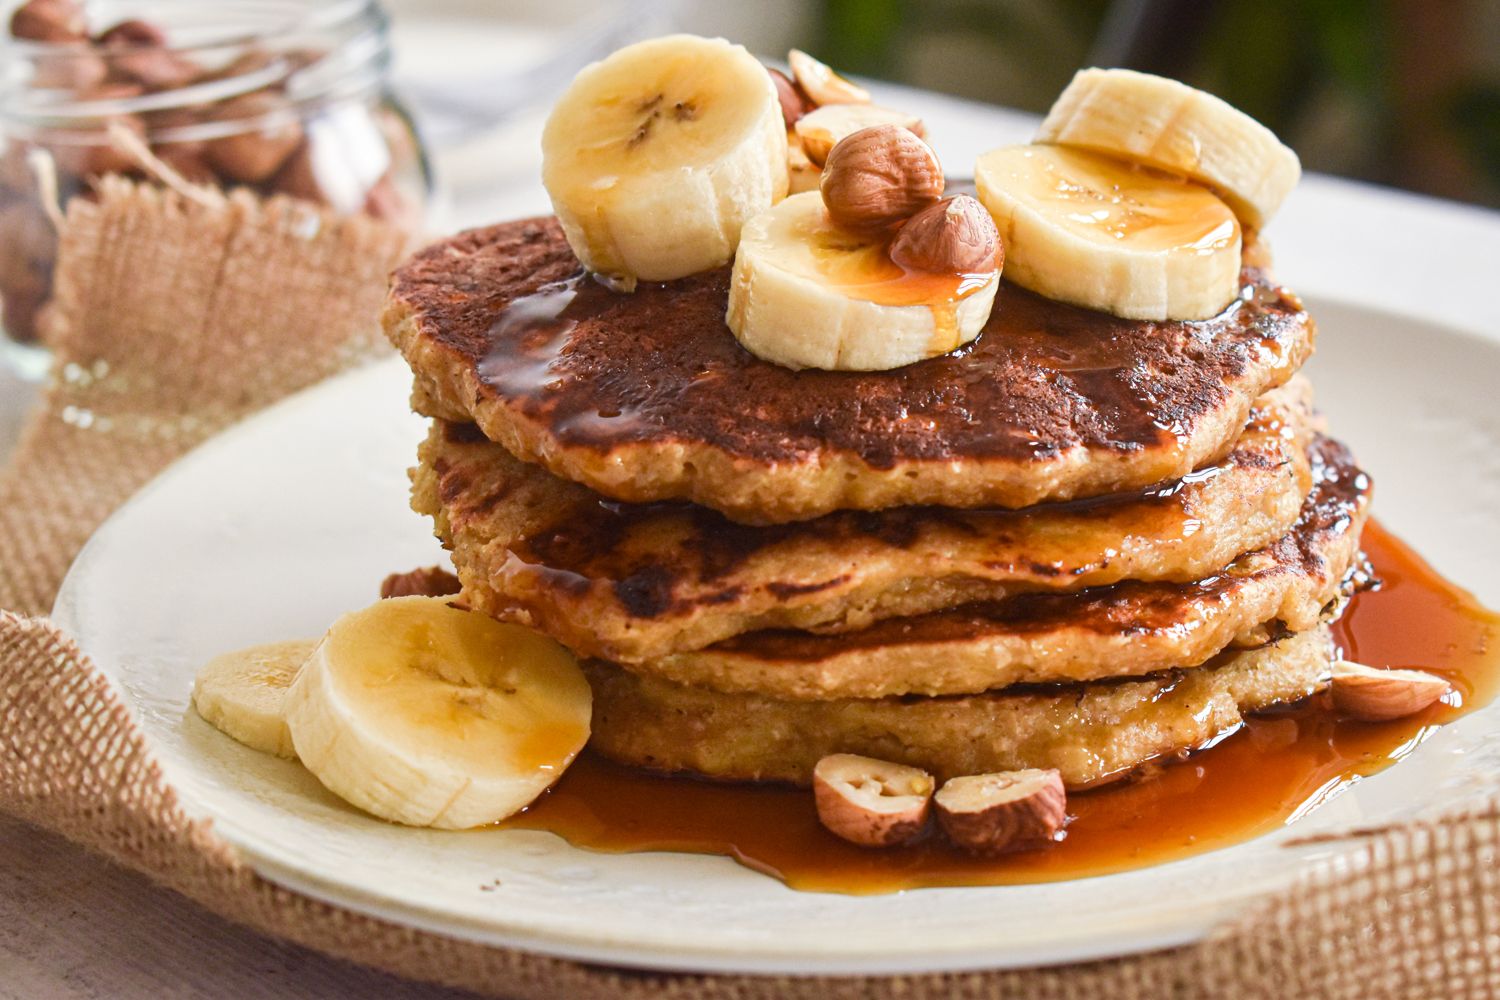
[648, 396]
[634, 582]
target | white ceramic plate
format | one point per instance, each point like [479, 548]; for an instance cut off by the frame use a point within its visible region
[275, 528]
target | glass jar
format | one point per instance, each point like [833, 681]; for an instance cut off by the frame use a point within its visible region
[278, 96]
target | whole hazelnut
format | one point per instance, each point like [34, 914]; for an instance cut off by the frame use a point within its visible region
[254, 155]
[794, 104]
[138, 51]
[49, 21]
[27, 247]
[955, 236]
[95, 151]
[68, 66]
[878, 177]
[188, 160]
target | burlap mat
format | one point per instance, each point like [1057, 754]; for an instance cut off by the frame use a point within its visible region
[175, 319]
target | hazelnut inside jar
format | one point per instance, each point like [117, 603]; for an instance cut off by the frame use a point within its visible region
[275, 96]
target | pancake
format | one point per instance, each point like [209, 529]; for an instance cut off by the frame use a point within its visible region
[1123, 630]
[648, 397]
[633, 583]
[1089, 732]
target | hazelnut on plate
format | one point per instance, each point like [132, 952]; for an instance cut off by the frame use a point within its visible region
[873, 803]
[1001, 812]
[1373, 695]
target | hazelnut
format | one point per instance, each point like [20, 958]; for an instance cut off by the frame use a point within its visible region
[1006, 811]
[138, 51]
[28, 245]
[879, 177]
[134, 34]
[794, 104]
[431, 581]
[384, 201]
[870, 802]
[98, 153]
[955, 236]
[822, 84]
[188, 159]
[70, 66]
[254, 155]
[1372, 695]
[50, 21]
[298, 177]
[820, 130]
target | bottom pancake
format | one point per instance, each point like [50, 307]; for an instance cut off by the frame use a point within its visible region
[1090, 732]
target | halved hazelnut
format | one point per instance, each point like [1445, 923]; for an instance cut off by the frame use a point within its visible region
[430, 581]
[819, 82]
[879, 177]
[955, 236]
[1006, 811]
[873, 803]
[1373, 695]
[794, 104]
[820, 130]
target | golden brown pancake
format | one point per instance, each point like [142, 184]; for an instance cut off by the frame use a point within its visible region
[1127, 629]
[635, 583]
[648, 397]
[1089, 732]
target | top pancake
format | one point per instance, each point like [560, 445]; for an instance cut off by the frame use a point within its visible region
[648, 396]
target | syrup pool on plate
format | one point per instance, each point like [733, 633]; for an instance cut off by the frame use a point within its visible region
[1276, 767]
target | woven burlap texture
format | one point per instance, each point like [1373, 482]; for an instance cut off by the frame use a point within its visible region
[174, 319]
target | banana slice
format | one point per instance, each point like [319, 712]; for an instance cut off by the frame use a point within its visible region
[655, 157]
[802, 173]
[243, 694]
[1173, 127]
[808, 294]
[820, 130]
[1097, 232]
[423, 714]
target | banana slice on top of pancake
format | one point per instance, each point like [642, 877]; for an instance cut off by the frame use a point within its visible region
[809, 293]
[655, 157]
[1133, 197]
[1169, 126]
[1097, 232]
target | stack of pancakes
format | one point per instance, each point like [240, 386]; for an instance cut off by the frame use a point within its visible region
[1082, 542]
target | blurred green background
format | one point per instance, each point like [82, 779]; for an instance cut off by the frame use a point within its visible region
[1399, 92]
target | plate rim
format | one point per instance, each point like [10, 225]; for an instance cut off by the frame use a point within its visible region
[592, 947]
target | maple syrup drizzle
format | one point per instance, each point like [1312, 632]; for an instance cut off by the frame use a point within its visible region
[1276, 766]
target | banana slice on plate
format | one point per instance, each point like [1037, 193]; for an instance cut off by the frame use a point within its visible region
[1173, 127]
[655, 157]
[806, 293]
[243, 694]
[1097, 232]
[427, 715]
